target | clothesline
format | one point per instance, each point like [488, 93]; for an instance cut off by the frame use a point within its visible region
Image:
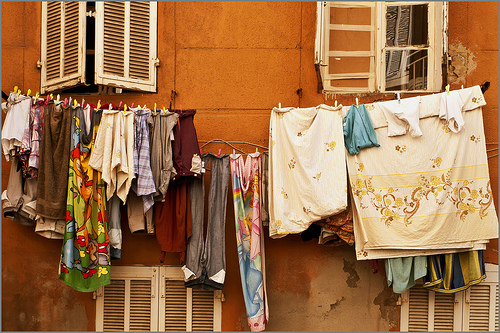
[229, 143]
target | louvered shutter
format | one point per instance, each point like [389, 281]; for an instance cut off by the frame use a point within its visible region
[126, 40]
[349, 43]
[424, 310]
[481, 303]
[63, 45]
[129, 303]
[202, 310]
[176, 299]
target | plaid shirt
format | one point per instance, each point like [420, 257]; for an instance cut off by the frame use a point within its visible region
[145, 184]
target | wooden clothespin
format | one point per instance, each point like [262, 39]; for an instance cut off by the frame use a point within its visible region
[399, 97]
[98, 105]
[124, 108]
[155, 109]
[447, 89]
[357, 102]
[220, 151]
[65, 102]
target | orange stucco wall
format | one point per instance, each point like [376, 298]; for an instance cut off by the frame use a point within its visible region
[233, 62]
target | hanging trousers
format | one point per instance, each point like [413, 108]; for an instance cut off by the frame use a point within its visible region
[206, 258]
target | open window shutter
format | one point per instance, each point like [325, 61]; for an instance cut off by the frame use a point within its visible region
[481, 303]
[349, 42]
[63, 44]
[126, 44]
[129, 303]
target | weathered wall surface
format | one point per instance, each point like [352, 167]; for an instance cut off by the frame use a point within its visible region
[233, 62]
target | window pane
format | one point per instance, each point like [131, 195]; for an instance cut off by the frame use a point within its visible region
[406, 70]
[407, 25]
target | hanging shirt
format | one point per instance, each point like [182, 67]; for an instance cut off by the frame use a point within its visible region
[185, 149]
[450, 110]
[85, 254]
[30, 148]
[358, 130]
[402, 115]
[113, 154]
[15, 123]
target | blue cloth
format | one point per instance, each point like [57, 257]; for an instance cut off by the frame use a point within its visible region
[403, 272]
[358, 130]
[454, 272]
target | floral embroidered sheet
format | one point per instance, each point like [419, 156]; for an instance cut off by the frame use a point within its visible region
[307, 173]
[426, 195]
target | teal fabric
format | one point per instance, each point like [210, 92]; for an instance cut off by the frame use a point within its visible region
[403, 272]
[358, 130]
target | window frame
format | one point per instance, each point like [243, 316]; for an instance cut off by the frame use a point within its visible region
[437, 54]
[158, 276]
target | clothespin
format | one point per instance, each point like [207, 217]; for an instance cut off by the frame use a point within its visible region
[58, 97]
[98, 105]
[51, 97]
[131, 106]
[462, 86]
[447, 89]
[18, 94]
[234, 152]
[201, 152]
[120, 105]
[257, 149]
[28, 93]
[279, 105]
[125, 109]
[15, 89]
[335, 103]
[163, 109]
[83, 102]
[65, 102]
[357, 102]
[70, 100]
[155, 109]
[220, 151]
[37, 95]
[109, 106]
[75, 102]
[399, 97]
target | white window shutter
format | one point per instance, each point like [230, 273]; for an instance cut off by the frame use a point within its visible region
[337, 57]
[130, 302]
[481, 303]
[126, 44]
[202, 310]
[63, 44]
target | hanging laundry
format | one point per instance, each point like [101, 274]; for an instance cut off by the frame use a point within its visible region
[173, 221]
[450, 110]
[16, 121]
[138, 221]
[205, 266]
[402, 115]
[19, 199]
[403, 272]
[113, 154]
[411, 200]
[143, 184]
[85, 259]
[30, 146]
[358, 129]
[114, 217]
[162, 166]
[52, 186]
[307, 173]
[185, 149]
[246, 181]
[454, 272]
[337, 229]
[264, 212]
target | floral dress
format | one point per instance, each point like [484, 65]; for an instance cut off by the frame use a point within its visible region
[246, 179]
[85, 254]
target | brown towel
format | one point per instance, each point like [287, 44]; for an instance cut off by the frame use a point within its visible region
[52, 189]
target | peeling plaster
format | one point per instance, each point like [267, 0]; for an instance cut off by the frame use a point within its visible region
[337, 303]
[353, 278]
[387, 302]
[462, 63]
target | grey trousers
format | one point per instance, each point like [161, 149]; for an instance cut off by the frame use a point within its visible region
[206, 258]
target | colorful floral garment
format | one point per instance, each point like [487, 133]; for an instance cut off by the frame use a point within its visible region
[85, 254]
[246, 180]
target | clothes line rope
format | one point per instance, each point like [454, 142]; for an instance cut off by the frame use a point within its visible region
[230, 143]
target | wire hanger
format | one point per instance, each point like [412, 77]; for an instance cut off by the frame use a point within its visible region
[223, 141]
